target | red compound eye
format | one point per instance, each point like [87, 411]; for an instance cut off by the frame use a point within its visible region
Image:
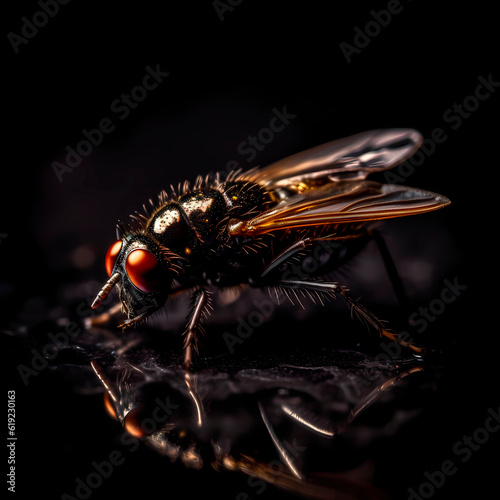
[138, 423]
[143, 269]
[111, 256]
[110, 406]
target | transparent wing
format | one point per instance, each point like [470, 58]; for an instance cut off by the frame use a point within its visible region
[341, 202]
[353, 157]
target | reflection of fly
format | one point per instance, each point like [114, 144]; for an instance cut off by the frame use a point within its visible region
[247, 228]
[237, 425]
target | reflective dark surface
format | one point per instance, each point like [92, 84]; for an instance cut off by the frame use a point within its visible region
[289, 420]
[312, 421]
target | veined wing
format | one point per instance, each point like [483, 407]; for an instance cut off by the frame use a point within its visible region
[353, 157]
[341, 202]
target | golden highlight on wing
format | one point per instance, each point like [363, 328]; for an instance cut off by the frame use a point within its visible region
[341, 202]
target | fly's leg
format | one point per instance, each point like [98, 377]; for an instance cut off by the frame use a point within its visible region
[290, 251]
[111, 316]
[392, 272]
[374, 394]
[331, 289]
[201, 305]
[305, 420]
[312, 423]
[280, 448]
[391, 269]
[104, 319]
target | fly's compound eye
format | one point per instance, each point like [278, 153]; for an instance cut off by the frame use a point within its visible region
[111, 256]
[143, 269]
[139, 424]
[110, 407]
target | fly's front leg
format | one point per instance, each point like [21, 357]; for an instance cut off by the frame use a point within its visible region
[201, 305]
[331, 289]
[106, 318]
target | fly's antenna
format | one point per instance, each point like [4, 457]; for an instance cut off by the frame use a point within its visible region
[105, 290]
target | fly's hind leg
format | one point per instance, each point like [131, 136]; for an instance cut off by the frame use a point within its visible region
[331, 289]
[392, 272]
[364, 313]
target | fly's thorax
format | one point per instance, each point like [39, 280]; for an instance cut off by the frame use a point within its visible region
[189, 223]
[244, 199]
[170, 226]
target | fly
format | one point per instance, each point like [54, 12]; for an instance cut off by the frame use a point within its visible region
[249, 227]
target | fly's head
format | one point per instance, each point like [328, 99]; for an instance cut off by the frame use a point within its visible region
[156, 411]
[143, 272]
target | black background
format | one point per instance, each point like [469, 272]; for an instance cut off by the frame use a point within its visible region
[225, 78]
